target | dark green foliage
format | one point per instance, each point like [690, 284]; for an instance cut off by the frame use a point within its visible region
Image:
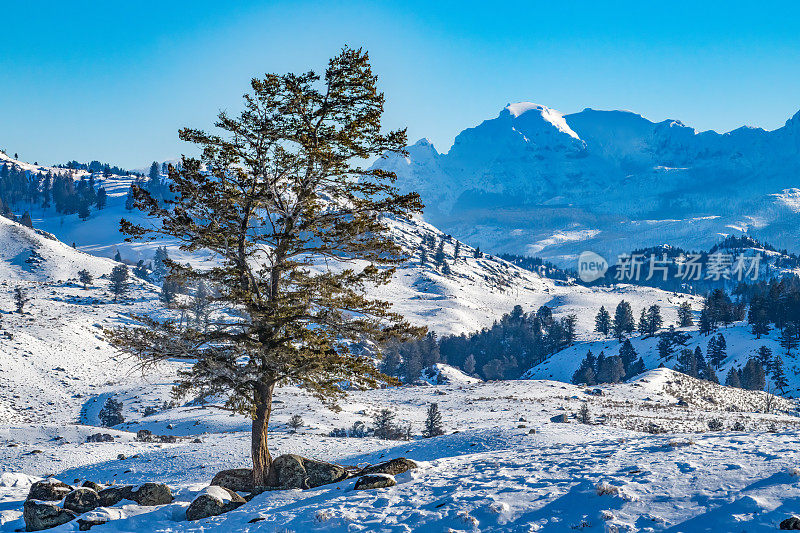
[86, 278]
[20, 299]
[778, 376]
[685, 318]
[752, 375]
[292, 165]
[433, 422]
[623, 320]
[602, 322]
[111, 413]
[119, 280]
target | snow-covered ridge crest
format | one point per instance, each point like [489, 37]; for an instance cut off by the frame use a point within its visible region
[550, 115]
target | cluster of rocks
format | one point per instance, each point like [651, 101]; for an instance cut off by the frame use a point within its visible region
[290, 472]
[51, 503]
[144, 435]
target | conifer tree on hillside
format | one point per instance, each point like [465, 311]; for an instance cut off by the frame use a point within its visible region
[282, 186]
[765, 357]
[733, 379]
[86, 278]
[778, 376]
[602, 322]
[623, 320]
[119, 280]
[26, 220]
[433, 422]
[752, 376]
[788, 338]
[685, 318]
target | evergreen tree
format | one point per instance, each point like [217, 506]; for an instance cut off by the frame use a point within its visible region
[111, 413]
[753, 377]
[160, 264]
[288, 167]
[119, 280]
[653, 320]
[687, 363]
[628, 356]
[623, 320]
[733, 379]
[778, 377]
[602, 322]
[717, 350]
[83, 210]
[685, 318]
[118, 257]
[585, 374]
[642, 325]
[433, 422]
[611, 370]
[26, 220]
[439, 257]
[456, 251]
[86, 278]
[102, 198]
[570, 326]
[20, 299]
[704, 323]
[788, 338]
[764, 356]
[469, 364]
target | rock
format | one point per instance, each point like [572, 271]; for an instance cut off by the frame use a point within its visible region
[791, 523]
[296, 472]
[49, 490]
[375, 481]
[41, 515]
[237, 479]
[92, 485]
[153, 494]
[562, 418]
[82, 500]
[393, 467]
[100, 437]
[85, 524]
[121, 456]
[144, 435]
[113, 495]
[213, 501]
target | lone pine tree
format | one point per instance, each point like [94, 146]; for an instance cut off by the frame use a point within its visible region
[281, 188]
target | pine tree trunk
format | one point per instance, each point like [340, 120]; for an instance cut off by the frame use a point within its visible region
[262, 460]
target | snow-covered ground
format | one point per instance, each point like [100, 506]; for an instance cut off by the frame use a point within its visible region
[647, 461]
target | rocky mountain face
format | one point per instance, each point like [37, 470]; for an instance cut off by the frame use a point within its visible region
[536, 182]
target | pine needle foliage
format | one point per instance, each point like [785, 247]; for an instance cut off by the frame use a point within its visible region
[282, 189]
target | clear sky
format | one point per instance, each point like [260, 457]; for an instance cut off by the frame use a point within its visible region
[115, 80]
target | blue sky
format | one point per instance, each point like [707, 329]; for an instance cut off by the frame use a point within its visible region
[114, 81]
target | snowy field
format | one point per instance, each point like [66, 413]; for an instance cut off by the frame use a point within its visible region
[647, 460]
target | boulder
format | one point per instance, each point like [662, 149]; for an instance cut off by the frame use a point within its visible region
[153, 494]
[113, 495]
[237, 479]
[213, 501]
[562, 418]
[375, 481]
[296, 472]
[49, 490]
[41, 515]
[100, 437]
[85, 524]
[92, 485]
[82, 500]
[392, 467]
[791, 523]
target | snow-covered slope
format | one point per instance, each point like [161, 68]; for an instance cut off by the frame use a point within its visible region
[537, 182]
[740, 342]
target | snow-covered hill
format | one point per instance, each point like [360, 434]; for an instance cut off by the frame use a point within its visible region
[740, 342]
[533, 181]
